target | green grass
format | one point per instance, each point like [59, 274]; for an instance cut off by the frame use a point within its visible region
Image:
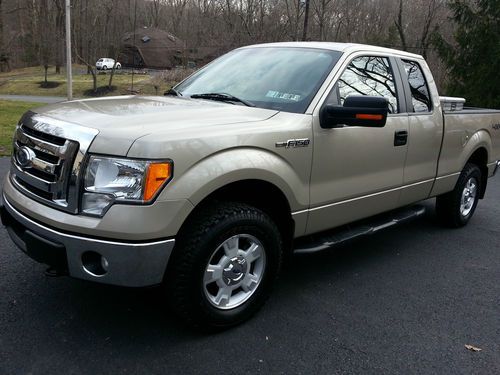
[10, 113]
[26, 81]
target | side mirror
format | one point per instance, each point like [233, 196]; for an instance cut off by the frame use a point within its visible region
[369, 111]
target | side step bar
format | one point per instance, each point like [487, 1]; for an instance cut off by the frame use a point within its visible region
[326, 240]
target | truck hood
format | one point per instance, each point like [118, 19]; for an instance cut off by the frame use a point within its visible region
[123, 119]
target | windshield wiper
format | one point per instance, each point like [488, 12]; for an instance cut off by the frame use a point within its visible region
[222, 97]
[172, 92]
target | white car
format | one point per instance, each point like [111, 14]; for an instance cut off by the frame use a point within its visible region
[107, 63]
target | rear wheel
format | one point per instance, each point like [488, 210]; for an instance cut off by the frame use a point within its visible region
[456, 208]
[104, 67]
[224, 266]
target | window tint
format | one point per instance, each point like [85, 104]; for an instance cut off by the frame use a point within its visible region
[368, 75]
[419, 90]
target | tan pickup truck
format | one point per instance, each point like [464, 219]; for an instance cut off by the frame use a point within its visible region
[269, 150]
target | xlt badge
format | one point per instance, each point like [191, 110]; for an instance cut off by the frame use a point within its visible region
[302, 142]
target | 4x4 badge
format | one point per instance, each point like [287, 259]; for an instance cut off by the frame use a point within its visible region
[302, 142]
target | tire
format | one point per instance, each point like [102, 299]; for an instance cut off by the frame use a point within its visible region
[213, 256]
[118, 66]
[104, 67]
[455, 209]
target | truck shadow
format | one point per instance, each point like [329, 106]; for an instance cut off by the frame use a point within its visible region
[121, 314]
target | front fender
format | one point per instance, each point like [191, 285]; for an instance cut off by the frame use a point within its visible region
[243, 163]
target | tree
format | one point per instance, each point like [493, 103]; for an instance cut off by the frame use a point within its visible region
[45, 38]
[474, 59]
[4, 57]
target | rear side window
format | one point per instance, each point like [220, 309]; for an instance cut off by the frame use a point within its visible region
[420, 96]
[368, 75]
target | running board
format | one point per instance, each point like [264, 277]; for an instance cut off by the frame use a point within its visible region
[328, 239]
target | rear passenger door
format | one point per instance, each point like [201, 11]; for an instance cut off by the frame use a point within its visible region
[425, 130]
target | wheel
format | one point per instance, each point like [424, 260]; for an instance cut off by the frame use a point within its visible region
[224, 265]
[455, 209]
[104, 67]
[118, 66]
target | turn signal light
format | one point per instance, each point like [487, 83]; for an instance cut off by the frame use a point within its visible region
[366, 116]
[157, 175]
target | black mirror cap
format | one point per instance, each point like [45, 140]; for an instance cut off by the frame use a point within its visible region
[366, 111]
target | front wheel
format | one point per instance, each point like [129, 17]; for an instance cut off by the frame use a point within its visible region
[455, 209]
[224, 265]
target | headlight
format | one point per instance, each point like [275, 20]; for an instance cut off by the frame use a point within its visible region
[109, 180]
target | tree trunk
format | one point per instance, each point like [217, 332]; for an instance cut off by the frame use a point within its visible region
[1, 27]
[306, 21]
[400, 26]
[60, 34]
[112, 74]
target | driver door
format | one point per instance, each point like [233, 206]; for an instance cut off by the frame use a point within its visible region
[358, 171]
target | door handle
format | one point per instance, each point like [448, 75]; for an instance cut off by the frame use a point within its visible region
[400, 138]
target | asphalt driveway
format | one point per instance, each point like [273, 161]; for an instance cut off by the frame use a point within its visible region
[407, 300]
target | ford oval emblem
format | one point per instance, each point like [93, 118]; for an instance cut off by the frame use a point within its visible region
[25, 157]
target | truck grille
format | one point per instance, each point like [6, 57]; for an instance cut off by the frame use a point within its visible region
[46, 164]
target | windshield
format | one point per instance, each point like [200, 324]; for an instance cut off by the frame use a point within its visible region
[279, 78]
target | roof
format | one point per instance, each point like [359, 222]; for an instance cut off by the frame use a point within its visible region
[341, 47]
[157, 47]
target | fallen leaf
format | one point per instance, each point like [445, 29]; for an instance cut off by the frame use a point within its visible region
[473, 348]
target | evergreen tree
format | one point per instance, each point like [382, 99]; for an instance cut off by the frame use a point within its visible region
[474, 59]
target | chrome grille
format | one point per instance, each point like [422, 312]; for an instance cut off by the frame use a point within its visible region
[46, 160]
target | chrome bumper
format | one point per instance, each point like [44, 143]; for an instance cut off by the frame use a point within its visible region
[118, 263]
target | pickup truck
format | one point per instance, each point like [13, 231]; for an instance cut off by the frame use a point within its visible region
[267, 151]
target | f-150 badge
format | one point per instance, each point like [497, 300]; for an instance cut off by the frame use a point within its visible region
[302, 142]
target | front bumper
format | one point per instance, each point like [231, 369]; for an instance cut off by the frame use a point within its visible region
[133, 264]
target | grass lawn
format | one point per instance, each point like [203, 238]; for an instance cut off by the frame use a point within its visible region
[27, 81]
[10, 113]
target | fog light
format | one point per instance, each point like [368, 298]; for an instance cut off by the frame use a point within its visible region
[94, 263]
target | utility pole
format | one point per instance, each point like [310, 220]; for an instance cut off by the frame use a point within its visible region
[69, 73]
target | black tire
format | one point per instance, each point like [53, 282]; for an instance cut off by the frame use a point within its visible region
[195, 248]
[104, 67]
[448, 206]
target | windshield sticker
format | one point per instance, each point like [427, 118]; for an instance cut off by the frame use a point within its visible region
[283, 95]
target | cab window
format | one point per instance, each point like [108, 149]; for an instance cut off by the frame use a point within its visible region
[420, 96]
